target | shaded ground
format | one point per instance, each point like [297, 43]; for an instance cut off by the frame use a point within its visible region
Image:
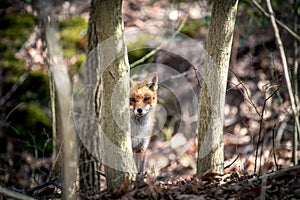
[278, 185]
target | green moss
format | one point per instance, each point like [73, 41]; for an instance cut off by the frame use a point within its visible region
[15, 29]
[75, 67]
[73, 39]
[80, 59]
[73, 35]
[138, 49]
[13, 21]
[27, 109]
[29, 121]
[69, 52]
[30, 125]
[14, 32]
[192, 26]
[40, 87]
[36, 116]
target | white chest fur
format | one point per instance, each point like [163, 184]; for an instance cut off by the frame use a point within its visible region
[141, 128]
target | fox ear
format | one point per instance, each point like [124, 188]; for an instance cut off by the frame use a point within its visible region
[132, 83]
[151, 80]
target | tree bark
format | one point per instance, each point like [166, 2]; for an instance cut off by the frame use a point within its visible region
[212, 96]
[106, 47]
[90, 146]
[114, 109]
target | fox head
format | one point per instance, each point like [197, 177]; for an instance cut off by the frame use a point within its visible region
[143, 95]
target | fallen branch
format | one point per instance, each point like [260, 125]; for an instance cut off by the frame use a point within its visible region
[275, 174]
[15, 195]
[44, 185]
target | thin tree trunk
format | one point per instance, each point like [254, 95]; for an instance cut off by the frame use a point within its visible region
[212, 97]
[296, 85]
[64, 139]
[108, 67]
[114, 109]
[61, 79]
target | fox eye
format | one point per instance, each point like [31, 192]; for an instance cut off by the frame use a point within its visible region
[132, 100]
[146, 99]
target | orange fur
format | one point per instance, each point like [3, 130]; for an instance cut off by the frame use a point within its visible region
[143, 99]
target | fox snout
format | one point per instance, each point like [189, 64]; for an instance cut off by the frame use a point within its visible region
[143, 95]
[139, 111]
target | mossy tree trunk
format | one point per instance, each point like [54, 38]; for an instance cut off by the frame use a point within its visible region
[212, 96]
[107, 46]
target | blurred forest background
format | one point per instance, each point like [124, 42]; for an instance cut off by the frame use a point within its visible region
[257, 102]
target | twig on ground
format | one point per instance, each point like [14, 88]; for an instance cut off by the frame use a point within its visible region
[44, 185]
[276, 174]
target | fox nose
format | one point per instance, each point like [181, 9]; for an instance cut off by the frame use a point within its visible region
[139, 110]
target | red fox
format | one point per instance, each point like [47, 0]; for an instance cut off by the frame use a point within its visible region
[143, 99]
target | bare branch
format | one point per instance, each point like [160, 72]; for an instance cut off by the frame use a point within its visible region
[151, 53]
[260, 130]
[245, 93]
[232, 162]
[286, 75]
[13, 89]
[281, 24]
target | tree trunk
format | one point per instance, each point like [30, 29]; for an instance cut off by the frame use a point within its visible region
[110, 70]
[64, 160]
[212, 96]
[89, 134]
[61, 79]
[114, 109]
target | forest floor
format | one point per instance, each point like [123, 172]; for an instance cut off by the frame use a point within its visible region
[255, 74]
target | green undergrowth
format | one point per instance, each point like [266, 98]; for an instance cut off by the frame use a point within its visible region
[73, 32]
[14, 32]
[193, 26]
[27, 111]
[26, 106]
